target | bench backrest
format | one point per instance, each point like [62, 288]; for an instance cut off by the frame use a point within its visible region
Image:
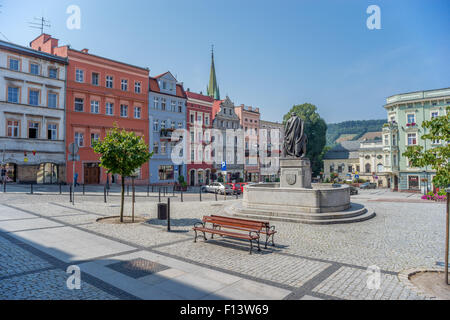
[266, 223]
[241, 225]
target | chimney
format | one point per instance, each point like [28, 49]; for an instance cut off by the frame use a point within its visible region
[257, 110]
[85, 50]
[249, 108]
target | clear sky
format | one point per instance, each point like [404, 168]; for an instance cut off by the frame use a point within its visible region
[269, 54]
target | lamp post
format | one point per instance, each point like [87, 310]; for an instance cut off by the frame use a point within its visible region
[447, 220]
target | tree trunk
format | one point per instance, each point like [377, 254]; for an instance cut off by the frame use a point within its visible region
[122, 199]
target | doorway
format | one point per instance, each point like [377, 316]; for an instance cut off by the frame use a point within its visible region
[91, 173]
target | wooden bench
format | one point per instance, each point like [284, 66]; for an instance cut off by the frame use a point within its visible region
[215, 225]
[268, 230]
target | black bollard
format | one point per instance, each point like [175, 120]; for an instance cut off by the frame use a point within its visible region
[60, 190]
[148, 190]
[31, 188]
[168, 214]
[200, 193]
[4, 185]
[128, 190]
[215, 193]
[104, 194]
[70, 192]
[181, 195]
[83, 189]
[159, 194]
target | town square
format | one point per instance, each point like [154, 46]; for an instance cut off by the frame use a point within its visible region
[196, 161]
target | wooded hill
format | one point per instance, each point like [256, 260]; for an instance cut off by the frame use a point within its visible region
[352, 130]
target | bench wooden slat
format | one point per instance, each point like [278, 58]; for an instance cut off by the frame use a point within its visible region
[227, 233]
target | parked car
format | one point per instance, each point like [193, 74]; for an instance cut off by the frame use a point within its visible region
[368, 185]
[241, 185]
[219, 187]
[236, 187]
[353, 191]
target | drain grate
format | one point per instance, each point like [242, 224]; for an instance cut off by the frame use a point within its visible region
[138, 268]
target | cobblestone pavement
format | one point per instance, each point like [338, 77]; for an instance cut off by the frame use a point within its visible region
[308, 261]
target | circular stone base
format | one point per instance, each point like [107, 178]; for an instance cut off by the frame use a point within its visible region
[116, 220]
[429, 283]
[355, 213]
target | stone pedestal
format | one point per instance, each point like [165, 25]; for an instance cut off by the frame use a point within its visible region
[295, 173]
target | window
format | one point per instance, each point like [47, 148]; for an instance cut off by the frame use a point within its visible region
[163, 124]
[164, 85]
[386, 140]
[137, 112]
[180, 107]
[434, 114]
[95, 77]
[155, 147]
[155, 125]
[52, 100]
[79, 75]
[172, 106]
[14, 64]
[412, 139]
[79, 139]
[33, 130]
[34, 68]
[163, 148]
[109, 108]
[192, 118]
[165, 172]
[172, 125]
[33, 97]
[13, 94]
[180, 125]
[380, 168]
[368, 168]
[79, 104]
[94, 138]
[411, 118]
[340, 169]
[137, 87]
[124, 85]
[53, 73]
[109, 81]
[13, 128]
[123, 110]
[155, 103]
[350, 169]
[394, 160]
[207, 120]
[357, 168]
[163, 104]
[94, 106]
[52, 131]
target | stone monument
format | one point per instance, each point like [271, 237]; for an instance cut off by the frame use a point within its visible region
[295, 198]
[295, 168]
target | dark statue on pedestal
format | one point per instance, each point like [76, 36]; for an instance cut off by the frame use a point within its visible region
[295, 139]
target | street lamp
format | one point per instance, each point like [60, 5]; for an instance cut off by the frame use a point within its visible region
[424, 180]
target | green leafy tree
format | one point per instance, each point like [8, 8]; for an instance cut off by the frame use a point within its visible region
[438, 156]
[122, 153]
[315, 129]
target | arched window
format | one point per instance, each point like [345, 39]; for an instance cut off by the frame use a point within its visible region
[368, 168]
[380, 168]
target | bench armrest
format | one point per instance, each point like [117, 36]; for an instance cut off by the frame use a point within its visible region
[255, 232]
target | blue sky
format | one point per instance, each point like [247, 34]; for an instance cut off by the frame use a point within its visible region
[269, 54]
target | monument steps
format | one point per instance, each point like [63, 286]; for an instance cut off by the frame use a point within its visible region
[348, 216]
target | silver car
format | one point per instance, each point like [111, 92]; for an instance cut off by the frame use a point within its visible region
[218, 187]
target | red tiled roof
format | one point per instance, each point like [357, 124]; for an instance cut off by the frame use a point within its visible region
[199, 96]
[154, 87]
[160, 75]
[216, 107]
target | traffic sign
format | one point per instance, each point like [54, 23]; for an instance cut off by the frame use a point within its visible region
[73, 148]
[74, 157]
[224, 166]
[356, 176]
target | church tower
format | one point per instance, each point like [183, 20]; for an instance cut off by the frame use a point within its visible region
[213, 88]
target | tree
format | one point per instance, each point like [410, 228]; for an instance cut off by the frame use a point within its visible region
[122, 153]
[438, 156]
[315, 129]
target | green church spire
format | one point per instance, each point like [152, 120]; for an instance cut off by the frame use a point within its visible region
[213, 87]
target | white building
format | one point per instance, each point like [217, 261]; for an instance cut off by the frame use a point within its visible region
[32, 114]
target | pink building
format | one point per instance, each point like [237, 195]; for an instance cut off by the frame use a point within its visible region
[249, 118]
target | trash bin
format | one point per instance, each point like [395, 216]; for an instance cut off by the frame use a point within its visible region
[162, 211]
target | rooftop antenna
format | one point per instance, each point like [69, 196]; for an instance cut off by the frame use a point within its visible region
[41, 24]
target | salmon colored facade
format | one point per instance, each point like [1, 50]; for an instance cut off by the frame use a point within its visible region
[99, 94]
[199, 120]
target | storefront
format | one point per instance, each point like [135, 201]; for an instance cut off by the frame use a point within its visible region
[47, 173]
